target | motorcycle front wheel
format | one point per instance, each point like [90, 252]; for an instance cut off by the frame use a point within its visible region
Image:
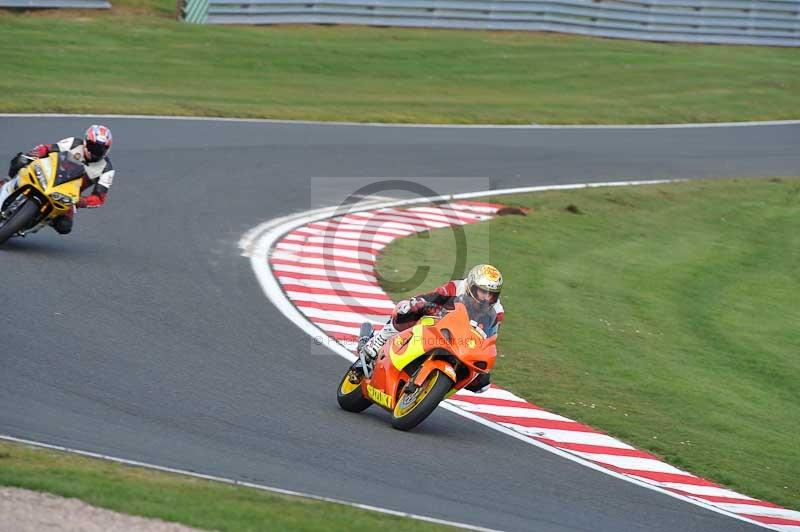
[349, 394]
[23, 216]
[413, 408]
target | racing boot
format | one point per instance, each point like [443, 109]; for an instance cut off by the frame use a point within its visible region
[378, 339]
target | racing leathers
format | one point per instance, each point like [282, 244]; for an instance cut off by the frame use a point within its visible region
[99, 175]
[408, 312]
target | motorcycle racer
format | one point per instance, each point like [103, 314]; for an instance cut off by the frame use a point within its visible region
[92, 151]
[483, 283]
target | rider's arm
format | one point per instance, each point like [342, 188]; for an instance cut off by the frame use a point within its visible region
[441, 295]
[98, 195]
[498, 309]
[95, 199]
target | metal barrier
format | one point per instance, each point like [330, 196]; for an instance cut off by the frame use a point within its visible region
[51, 4]
[767, 22]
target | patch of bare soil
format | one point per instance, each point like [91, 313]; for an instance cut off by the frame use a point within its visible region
[31, 511]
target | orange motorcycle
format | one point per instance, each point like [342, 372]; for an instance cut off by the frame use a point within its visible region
[423, 365]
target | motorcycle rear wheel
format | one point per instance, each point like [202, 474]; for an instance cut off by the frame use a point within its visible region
[20, 219]
[412, 409]
[350, 396]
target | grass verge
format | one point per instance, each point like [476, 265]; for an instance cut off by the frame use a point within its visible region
[193, 502]
[665, 315]
[139, 59]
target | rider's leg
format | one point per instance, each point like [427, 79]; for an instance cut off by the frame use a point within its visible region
[398, 322]
[378, 339]
[5, 189]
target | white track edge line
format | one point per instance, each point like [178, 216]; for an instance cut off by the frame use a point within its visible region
[401, 125]
[257, 242]
[261, 487]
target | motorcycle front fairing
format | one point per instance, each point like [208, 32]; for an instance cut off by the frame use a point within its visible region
[389, 374]
[53, 181]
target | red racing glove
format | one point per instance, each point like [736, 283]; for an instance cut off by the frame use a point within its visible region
[90, 202]
[40, 151]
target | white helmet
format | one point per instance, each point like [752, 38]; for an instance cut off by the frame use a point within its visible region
[484, 283]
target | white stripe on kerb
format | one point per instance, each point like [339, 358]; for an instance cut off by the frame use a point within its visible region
[417, 222]
[632, 462]
[331, 274]
[709, 491]
[760, 510]
[566, 436]
[342, 300]
[325, 251]
[355, 236]
[533, 413]
[786, 528]
[374, 241]
[330, 327]
[288, 255]
[360, 227]
[349, 317]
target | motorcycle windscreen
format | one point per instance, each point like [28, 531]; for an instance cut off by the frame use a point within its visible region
[68, 169]
[482, 314]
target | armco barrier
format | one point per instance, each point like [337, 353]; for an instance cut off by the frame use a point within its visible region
[52, 4]
[765, 22]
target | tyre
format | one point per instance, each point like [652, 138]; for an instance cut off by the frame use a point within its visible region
[21, 218]
[349, 393]
[413, 408]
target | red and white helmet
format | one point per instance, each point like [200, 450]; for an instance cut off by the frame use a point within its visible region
[97, 142]
[484, 283]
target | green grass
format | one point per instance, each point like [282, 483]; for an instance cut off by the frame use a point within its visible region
[665, 315]
[194, 502]
[138, 59]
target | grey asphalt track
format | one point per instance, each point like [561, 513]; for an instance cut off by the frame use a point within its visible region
[145, 335]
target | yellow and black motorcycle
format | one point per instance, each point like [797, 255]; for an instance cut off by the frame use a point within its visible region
[43, 190]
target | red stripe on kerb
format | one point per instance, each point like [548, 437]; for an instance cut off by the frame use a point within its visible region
[476, 400]
[663, 477]
[771, 520]
[332, 278]
[344, 308]
[326, 266]
[727, 500]
[343, 292]
[596, 449]
[538, 423]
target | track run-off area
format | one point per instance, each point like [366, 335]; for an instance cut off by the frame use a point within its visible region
[152, 340]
